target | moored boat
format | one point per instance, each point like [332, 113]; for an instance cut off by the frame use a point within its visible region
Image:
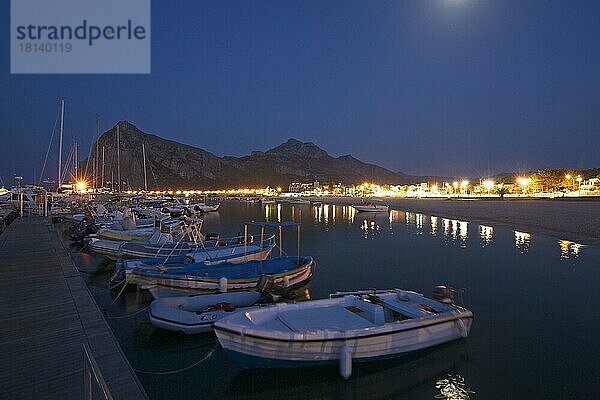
[352, 326]
[371, 207]
[201, 208]
[209, 252]
[181, 278]
[197, 314]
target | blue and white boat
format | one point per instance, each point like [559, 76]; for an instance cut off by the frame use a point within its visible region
[352, 326]
[236, 249]
[183, 277]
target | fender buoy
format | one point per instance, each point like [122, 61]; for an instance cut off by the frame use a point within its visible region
[462, 329]
[223, 285]
[345, 362]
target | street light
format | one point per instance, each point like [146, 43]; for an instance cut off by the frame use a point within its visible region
[579, 181]
[81, 186]
[463, 185]
[568, 177]
[524, 182]
[488, 184]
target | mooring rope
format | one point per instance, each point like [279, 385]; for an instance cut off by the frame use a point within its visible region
[176, 371]
[128, 315]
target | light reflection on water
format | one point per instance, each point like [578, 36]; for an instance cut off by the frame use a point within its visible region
[453, 388]
[569, 249]
[453, 231]
[456, 231]
[486, 235]
[369, 227]
[522, 241]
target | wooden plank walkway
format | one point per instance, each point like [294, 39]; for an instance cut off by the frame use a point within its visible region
[46, 315]
[7, 215]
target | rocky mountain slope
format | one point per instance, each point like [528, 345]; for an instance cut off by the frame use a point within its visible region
[174, 165]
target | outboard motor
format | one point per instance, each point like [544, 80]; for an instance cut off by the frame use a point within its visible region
[265, 284]
[443, 294]
[272, 291]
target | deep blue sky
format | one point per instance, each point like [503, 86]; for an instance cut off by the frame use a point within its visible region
[450, 87]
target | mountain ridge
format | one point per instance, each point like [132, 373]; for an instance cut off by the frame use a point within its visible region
[175, 165]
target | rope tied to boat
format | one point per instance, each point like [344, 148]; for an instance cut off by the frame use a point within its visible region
[176, 371]
[128, 315]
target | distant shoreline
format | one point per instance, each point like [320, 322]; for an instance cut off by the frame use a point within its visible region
[571, 219]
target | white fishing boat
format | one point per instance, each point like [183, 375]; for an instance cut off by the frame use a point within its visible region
[371, 207]
[197, 314]
[124, 235]
[352, 326]
[201, 208]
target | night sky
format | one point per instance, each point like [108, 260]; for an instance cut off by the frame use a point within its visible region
[446, 87]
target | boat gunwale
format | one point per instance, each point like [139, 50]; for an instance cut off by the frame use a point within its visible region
[187, 278]
[293, 337]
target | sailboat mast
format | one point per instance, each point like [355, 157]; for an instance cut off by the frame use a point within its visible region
[145, 175]
[62, 124]
[96, 161]
[118, 159]
[75, 162]
[102, 167]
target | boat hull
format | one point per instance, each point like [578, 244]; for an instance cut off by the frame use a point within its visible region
[192, 315]
[258, 352]
[214, 255]
[168, 285]
[348, 327]
[126, 235]
[107, 248]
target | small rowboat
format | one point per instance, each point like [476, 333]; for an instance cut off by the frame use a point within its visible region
[352, 326]
[197, 314]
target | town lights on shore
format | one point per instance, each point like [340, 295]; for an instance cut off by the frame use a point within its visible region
[464, 184]
[523, 181]
[488, 184]
[81, 186]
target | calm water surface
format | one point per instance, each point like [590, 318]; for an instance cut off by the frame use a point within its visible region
[535, 301]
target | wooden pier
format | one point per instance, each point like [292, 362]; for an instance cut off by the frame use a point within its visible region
[7, 215]
[47, 314]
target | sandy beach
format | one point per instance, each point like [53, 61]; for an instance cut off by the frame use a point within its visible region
[575, 220]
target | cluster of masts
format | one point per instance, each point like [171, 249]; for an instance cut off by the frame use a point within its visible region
[98, 180]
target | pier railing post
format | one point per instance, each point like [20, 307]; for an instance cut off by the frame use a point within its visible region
[87, 377]
[92, 368]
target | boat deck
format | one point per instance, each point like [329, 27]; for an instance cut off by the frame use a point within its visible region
[47, 315]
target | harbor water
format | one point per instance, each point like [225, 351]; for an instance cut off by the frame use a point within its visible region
[534, 299]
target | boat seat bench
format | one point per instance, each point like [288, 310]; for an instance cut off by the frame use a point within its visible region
[333, 317]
